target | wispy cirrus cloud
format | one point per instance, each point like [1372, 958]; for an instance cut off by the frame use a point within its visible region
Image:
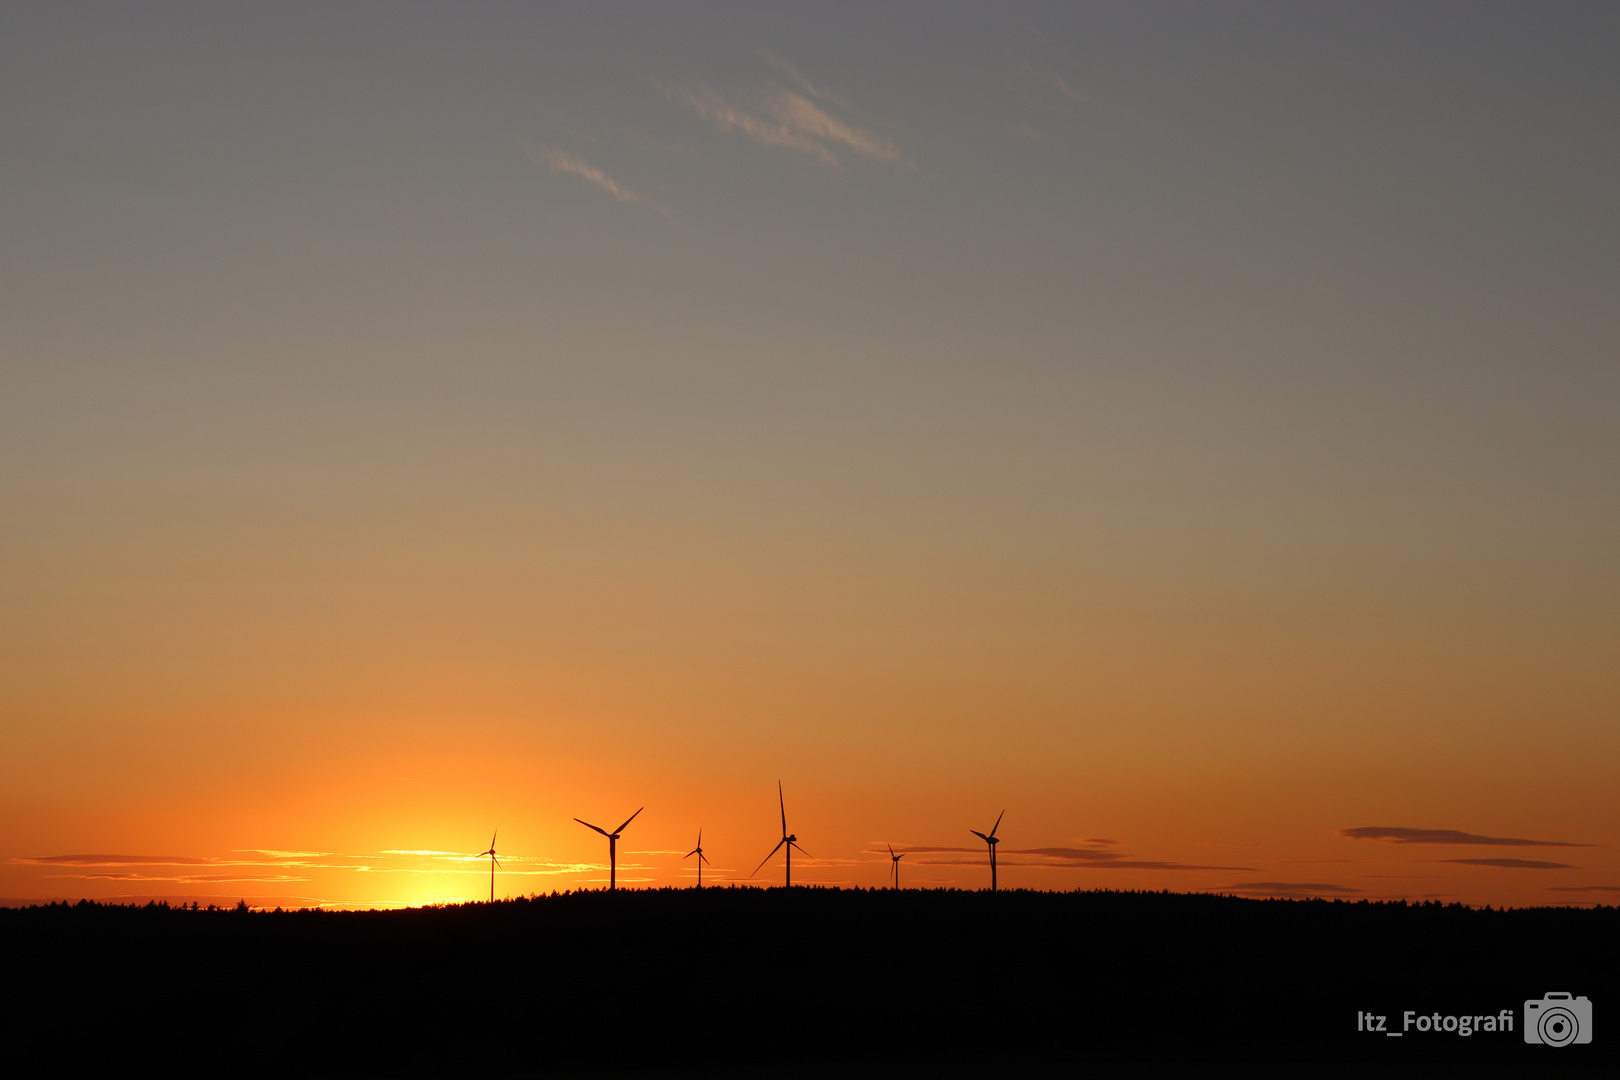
[561, 161]
[1070, 98]
[802, 81]
[1585, 888]
[1053, 82]
[1058, 85]
[805, 117]
[1389, 834]
[1511, 864]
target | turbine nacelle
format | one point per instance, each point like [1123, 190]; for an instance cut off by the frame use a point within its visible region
[702, 858]
[789, 840]
[991, 840]
[613, 843]
[493, 863]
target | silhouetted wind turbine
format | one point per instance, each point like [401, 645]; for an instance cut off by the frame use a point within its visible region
[894, 865]
[493, 863]
[992, 841]
[613, 846]
[788, 840]
[698, 851]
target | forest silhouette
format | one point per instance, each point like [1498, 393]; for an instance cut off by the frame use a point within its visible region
[955, 980]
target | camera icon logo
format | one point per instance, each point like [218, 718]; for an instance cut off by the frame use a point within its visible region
[1558, 1020]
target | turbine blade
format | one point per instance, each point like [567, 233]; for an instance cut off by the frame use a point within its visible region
[900, 856]
[494, 860]
[492, 837]
[783, 804]
[769, 857]
[702, 858]
[691, 853]
[975, 832]
[628, 820]
[801, 850]
[997, 825]
[891, 850]
[700, 838]
[588, 825]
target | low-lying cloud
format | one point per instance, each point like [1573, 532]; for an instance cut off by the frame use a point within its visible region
[191, 879]
[1055, 857]
[114, 860]
[1287, 888]
[1512, 864]
[1395, 835]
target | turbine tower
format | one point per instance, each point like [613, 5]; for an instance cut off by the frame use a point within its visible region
[698, 851]
[613, 846]
[894, 866]
[992, 841]
[788, 840]
[493, 863]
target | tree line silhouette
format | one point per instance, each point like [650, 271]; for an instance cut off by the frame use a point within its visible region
[965, 980]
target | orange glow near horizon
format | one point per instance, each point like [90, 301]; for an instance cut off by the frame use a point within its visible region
[413, 427]
[383, 814]
[1207, 756]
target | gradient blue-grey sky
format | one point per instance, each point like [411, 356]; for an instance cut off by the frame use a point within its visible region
[1196, 387]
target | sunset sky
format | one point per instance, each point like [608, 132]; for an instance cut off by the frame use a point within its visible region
[1189, 428]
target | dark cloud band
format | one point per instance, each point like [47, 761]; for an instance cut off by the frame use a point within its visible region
[1397, 835]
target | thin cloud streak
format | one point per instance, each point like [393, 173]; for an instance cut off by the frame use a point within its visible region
[727, 117]
[560, 161]
[121, 860]
[801, 80]
[1054, 857]
[791, 120]
[1123, 864]
[191, 879]
[1056, 83]
[1397, 835]
[1511, 864]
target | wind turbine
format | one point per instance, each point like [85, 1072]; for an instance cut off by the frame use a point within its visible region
[788, 840]
[493, 863]
[894, 865]
[698, 851]
[992, 841]
[613, 846]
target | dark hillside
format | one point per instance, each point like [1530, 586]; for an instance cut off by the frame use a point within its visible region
[750, 977]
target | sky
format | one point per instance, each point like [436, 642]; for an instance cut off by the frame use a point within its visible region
[1188, 429]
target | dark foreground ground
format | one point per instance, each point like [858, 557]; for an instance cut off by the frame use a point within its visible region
[806, 982]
